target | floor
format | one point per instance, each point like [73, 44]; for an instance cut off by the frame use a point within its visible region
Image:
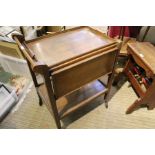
[31, 115]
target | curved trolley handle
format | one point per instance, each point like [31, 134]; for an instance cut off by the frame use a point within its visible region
[20, 42]
[29, 55]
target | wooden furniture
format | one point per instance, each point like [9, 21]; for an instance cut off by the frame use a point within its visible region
[140, 70]
[123, 54]
[68, 62]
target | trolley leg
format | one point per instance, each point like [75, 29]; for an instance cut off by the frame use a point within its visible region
[40, 100]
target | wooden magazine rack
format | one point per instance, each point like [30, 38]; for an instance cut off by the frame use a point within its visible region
[140, 70]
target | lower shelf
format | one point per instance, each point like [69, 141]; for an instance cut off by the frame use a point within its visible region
[75, 100]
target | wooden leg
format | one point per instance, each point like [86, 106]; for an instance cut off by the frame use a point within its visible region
[117, 78]
[56, 115]
[58, 123]
[110, 80]
[40, 100]
[106, 104]
[133, 107]
[52, 98]
[138, 103]
[150, 107]
[54, 108]
[147, 99]
[35, 82]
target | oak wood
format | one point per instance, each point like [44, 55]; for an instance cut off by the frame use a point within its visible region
[69, 45]
[74, 77]
[67, 61]
[135, 83]
[83, 57]
[82, 103]
[140, 50]
[144, 55]
[67, 104]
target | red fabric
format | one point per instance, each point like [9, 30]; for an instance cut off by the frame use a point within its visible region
[115, 31]
[130, 31]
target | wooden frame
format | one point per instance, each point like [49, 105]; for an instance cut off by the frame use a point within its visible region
[10, 49]
[141, 54]
[65, 77]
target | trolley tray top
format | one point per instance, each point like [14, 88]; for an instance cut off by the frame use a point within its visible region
[66, 45]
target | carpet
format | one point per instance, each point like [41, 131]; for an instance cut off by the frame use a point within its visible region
[94, 116]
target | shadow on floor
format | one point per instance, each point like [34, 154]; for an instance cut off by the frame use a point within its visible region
[94, 104]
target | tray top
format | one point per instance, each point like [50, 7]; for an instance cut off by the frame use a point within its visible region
[146, 53]
[66, 45]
